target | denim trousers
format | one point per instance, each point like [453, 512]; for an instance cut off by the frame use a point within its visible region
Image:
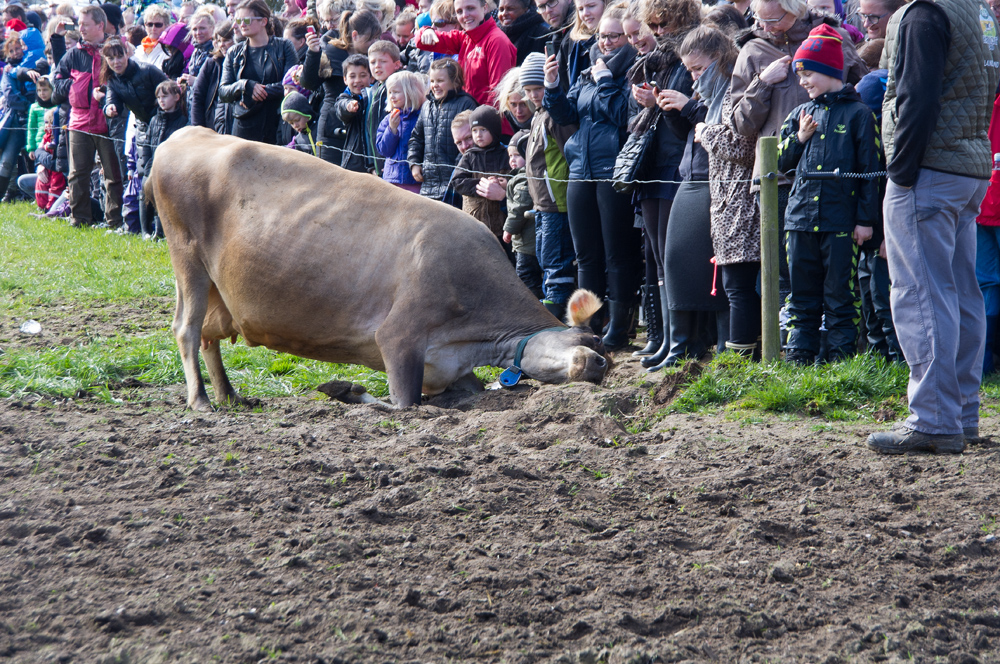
[554, 251]
[988, 266]
[937, 307]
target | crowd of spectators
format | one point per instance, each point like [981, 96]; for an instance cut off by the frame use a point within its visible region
[519, 114]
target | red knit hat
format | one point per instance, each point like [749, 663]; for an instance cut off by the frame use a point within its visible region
[822, 51]
[17, 25]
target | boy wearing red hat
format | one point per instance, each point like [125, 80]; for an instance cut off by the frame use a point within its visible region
[826, 220]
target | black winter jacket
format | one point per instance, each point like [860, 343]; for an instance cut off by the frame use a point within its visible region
[845, 139]
[135, 90]
[161, 127]
[236, 88]
[431, 143]
[528, 34]
[355, 141]
[327, 75]
[205, 94]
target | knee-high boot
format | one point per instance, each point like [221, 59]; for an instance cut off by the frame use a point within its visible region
[664, 349]
[621, 314]
[686, 338]
[654, 322]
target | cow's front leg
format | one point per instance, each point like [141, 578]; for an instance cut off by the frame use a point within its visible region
[403, 357]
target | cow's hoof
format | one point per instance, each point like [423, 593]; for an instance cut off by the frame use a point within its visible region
[236, 401]
[346, 391]
[202, 406]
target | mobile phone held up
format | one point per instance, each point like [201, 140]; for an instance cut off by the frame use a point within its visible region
[310, 30]
[550, 50]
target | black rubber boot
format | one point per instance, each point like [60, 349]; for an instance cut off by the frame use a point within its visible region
[721, 330]
[556, 309]
[685, 338]
[664, 350]
[654, 322]
[621, 314]
[4, 183]
[746, 350]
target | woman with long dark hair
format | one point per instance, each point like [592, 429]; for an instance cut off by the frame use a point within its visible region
[252, 74]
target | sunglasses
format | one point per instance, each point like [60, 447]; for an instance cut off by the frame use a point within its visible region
[657, 26]
[157, 24]
[441, 24]
[246, 21]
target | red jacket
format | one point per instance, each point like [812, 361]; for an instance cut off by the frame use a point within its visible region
[989, 214]
[78, 74]
[484, 52]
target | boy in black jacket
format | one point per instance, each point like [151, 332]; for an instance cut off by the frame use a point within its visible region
[351, 108]
[826, 220]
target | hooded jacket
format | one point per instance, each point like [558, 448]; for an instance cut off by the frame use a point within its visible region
[845, 139]
[476, 164]
[77, 76]
[393, 147]
[304, 141]
[760, 109]
[601, 109]
[484, 52]
[324, 71]
[431, 142]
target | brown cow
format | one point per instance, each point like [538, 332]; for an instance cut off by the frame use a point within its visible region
[303, 257]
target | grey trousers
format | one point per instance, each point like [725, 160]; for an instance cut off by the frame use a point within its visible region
[937, 307]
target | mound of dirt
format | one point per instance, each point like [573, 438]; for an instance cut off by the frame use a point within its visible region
[569, 523]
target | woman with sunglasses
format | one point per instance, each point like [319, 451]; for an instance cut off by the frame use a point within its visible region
[660, 70]
[483, 50]
[155, 20]
[252, 73]
[600, 219]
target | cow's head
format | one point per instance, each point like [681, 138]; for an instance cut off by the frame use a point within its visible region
[569, 355]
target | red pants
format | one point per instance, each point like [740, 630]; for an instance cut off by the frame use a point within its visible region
[49, 186]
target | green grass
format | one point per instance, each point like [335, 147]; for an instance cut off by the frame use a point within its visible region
[845, 390]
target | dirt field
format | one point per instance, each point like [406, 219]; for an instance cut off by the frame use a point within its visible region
[520, 526]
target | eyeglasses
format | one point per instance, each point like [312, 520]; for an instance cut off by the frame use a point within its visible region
[246, 21]
[772, 21]
[151, 24]
[610, 36]
[872, 19]
[547, 5]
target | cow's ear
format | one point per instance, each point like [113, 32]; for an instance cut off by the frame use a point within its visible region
[582, 305]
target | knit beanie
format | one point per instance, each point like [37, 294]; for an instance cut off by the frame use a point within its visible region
[17, 25]
[296, 103]
[533, 70]
[822, 52]
[290, 79]
[488, 117]
[520, 142]
[114, 15]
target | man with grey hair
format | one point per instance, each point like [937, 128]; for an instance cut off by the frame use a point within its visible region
[942, 57]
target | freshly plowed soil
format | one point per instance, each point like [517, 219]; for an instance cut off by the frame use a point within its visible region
[515, 526]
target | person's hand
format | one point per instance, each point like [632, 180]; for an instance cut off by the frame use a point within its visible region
[111, 111]
[313, 42]
[671, 100]
[644, 96]
[34, 75]
[60, 28]
[394, 117]
[98, 95]
[428, 37]
[31, 156]
[352, 106]
[43, 178]
[777, 71]
[551, 70]
[491, 189]
[417, 172]
[807, 126]
[881, 250]
[259, 93]
[698, 128]
[597, 68]
[862, 234]
[507, 237]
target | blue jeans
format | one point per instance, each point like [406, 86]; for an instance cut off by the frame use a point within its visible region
[554, 251]
[988, 266]
[937, 307]
[16, 139]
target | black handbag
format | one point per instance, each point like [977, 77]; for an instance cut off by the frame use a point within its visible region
[630, 164]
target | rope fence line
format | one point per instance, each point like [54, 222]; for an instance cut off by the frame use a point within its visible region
[833, 175]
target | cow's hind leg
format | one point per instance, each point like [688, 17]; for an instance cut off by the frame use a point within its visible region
[192, 302]
[224, 392]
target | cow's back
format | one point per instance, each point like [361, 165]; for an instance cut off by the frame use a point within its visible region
[310, 258]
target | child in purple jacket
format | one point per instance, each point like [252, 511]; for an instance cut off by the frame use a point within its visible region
[405, 92]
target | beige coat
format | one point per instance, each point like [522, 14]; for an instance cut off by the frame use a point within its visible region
[760, 109]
